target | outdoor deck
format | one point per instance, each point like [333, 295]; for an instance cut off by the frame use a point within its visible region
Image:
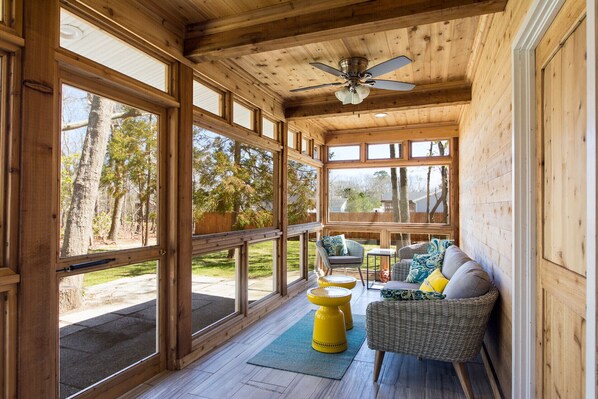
[224, 373]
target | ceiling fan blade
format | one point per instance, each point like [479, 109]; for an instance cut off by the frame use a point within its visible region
[317, 87]
[387, 66]
[390, 85]
[327, 68]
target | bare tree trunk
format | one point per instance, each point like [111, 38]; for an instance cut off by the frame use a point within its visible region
[428, 218]
[237, 203]
[79, 221]
[444, 174]
[404, 204]
[116, 215]
[394, 188]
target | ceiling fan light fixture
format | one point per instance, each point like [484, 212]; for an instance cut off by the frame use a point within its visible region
[341, 94]
[363, 91]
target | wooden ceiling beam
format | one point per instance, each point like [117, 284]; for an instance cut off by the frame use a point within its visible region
[423, 96]
[389, 134]
[257, 31]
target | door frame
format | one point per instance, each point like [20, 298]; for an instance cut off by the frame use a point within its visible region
[523, 368]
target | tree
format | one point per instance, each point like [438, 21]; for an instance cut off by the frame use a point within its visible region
[400, 198]
[79, 220]
[302, 191]
[230, 177]
[131, 159]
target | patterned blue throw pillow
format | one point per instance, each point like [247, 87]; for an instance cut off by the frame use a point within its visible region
[335, 245]
[422, 266]
[409, 295]
[437, 245]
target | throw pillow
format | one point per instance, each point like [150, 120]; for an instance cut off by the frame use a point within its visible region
[335, 245]
[422, 266]
[435, 282]
[469, 281]
[437, 245]
[408, 295]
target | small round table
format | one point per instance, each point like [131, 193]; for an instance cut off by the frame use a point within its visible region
[329, 322]
[344, 282]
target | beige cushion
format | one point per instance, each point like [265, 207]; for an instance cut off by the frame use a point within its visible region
[453, 259]
[468, 282]
[401, 285]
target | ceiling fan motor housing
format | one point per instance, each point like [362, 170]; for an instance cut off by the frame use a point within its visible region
[353, 66]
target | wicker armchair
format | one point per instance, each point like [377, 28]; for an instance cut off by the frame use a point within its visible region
[449, 330]
[400, 270]
[354, 259]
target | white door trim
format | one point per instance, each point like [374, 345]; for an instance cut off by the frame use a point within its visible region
[539, 17]
[523, 370]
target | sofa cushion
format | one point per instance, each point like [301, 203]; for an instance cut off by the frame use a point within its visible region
[435, 282]
[400, 285]
[453, 259]
[468, 282]
[344, 260]
[408, 295]
[422, 266]
[335, 245]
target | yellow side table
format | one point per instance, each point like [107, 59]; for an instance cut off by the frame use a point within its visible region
[344, 282]
[329, 323]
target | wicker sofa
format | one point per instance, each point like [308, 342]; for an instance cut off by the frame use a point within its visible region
[448, 330]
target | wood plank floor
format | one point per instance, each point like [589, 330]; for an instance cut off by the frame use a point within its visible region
[224, 373]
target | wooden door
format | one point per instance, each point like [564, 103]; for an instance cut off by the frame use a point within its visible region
[561, 205]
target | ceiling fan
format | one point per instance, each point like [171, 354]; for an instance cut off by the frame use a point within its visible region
[359, 79]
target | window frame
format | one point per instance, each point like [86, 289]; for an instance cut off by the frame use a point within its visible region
[276, 124]
[413, 157]
[124, 256]
[401, 151]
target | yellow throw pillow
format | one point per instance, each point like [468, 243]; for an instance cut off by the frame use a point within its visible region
[435, 282]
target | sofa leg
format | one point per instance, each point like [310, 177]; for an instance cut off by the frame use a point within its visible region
[461, 370]
[378, 364]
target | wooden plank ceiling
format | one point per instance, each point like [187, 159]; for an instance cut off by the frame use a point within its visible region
[274, 41]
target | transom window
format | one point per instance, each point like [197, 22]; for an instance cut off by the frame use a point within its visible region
[207, 98]
[243, 116]
[422, 149]
[83, 38]
[344, 153]
[385, 151]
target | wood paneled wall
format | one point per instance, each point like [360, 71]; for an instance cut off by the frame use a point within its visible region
[485, 176]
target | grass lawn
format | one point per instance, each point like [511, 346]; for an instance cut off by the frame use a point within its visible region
[215, 264]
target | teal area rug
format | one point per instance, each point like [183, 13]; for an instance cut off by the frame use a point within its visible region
[292, 351]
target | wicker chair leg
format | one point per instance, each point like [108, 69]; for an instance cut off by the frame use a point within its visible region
[378, 364]
[461, 370]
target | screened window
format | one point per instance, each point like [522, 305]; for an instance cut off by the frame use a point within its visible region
[344, 153]
[108, 175]
[294, 268]
[304, 146]
[233, 184]
[292, 139]
[269, 128]
[302, 193]
[214, 288]
[243, 116]
[83, 38]
[113, 326]
[419, 194]
[385, 151]
[262, 270]
[317, 152]
[207, 98]
[420, 149]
